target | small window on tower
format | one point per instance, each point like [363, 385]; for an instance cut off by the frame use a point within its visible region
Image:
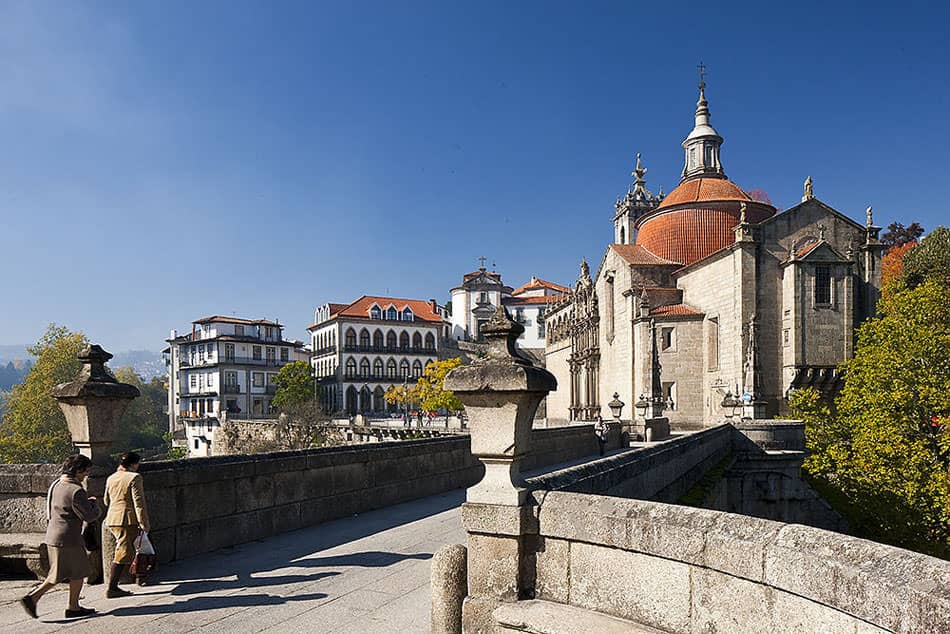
[667, 339]
[822, 285]
[623, 238]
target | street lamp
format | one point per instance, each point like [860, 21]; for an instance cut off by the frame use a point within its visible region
[641, 406]
[616, 406]
[731, 406]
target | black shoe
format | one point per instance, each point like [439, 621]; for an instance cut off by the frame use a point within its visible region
[29, 605]
[72, 614]
[117, 593]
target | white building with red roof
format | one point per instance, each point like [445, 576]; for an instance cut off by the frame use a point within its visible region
[707, 293]
[481, 291]
[363, 348]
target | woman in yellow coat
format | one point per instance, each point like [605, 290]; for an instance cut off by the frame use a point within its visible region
[127, 515]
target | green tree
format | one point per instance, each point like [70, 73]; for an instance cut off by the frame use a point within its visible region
[34, 428]
[929, 259]
[143, 423]
[429, 387]
[294, 386]
[883, 450]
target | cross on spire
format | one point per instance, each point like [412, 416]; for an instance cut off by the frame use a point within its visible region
[481, 261]
[702, 76]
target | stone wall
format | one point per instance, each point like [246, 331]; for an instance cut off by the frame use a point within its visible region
[665, 471]
[558, 402]
[682, 569]
[23, 496]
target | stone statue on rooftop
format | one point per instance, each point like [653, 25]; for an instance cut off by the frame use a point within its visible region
[809, 193]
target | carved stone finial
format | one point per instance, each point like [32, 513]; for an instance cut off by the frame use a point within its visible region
[585, 269]
[809, 193]
[93, 403]
[821, 232]
[501, 333]
[869, 217]
[742, 212]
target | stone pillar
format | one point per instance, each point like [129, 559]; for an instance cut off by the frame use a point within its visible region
[93, 404]
[501, 393]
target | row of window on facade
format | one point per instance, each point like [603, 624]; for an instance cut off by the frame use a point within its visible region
[390, 340]
[391, 314]
[197, 353]
[205, 407]
[199, 380]
[521, 319]
[269, 332]
[405, 369]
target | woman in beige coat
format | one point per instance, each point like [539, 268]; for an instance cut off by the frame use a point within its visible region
[127, 515]
[68, 507]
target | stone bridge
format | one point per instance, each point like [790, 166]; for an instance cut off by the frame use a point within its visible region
[557, 538]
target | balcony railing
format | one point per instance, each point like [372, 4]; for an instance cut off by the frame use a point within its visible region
[388, 350]
[231, 389]
[383, 378]
[323, 351]
[253, 361]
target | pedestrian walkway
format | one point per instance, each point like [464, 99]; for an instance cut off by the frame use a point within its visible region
[367, 573]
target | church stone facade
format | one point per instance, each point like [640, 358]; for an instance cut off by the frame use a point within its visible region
[706, 293]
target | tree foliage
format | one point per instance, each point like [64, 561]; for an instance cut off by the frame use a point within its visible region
[34, 428]
[892, 263]
[884, 447]
[294, 384]
[144, 422]
[431, 394]
[929, 259]
[898, 235]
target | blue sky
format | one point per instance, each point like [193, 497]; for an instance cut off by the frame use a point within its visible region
[162, 161]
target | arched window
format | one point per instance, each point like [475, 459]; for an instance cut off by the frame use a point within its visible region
[378, 367]
[416, 341]
[430, 342]
[391, 340]
[364, 338]
[365, 399]
[622, 236]
[364, 368]
[391, 368]
[417, 368]
[392, 313]
[407, 314]
[378, 338]
[404, 340]
[350, 337]
[404, 368]
[350, 367]
[375, 312]
[379, 403]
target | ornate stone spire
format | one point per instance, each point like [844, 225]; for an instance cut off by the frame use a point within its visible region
[808, 194]
[702, 144]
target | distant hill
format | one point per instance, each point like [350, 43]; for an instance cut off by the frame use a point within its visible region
[13, 372]
[14, 353]
[146, 363]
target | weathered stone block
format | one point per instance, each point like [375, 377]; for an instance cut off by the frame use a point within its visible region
[736, 544]
[494, 566]
[499, 520]
[210, 499]
[553, 557]
[253, 493]
[449, 588]
[641, 588]
[162, 507]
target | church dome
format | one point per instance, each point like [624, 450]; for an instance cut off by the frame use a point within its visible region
[697, 219]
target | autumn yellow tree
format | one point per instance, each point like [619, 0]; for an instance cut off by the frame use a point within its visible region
[429, 387]
[34, 428]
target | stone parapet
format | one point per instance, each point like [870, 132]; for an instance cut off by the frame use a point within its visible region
[682, 569]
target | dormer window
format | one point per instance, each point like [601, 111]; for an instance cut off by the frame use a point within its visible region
[392, 314]
[239, 331]
[375, 312]
[407, 314]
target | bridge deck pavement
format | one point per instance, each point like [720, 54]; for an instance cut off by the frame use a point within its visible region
[366, 573]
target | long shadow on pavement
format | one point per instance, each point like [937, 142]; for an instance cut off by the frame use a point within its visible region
[199, 604]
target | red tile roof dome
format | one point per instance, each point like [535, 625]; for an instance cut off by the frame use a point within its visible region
[697, 219]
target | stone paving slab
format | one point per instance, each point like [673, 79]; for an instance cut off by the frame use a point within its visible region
[367, 573]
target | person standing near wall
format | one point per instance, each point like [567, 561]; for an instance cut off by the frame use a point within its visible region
[600, 430]
[127, 515]
[67, 507]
